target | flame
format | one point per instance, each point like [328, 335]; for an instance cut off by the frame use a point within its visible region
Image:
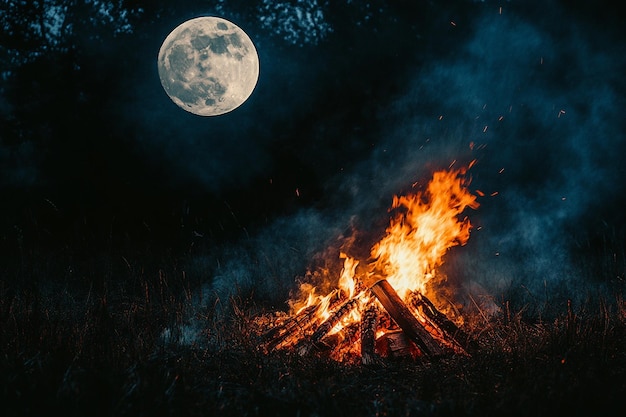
[425, 227]
[347, 288]
[346, 281]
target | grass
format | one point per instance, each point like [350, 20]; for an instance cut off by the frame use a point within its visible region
[93, 343]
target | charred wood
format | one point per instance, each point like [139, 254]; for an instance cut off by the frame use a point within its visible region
[463, 343]
[369, 322]
[395, 344]
[289, 332]
[346, 343]
[328, 325]
[401, 314]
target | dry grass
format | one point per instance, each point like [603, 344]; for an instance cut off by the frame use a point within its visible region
[87, 352]
[115, 338]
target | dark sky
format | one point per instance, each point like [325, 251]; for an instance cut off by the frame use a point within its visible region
[355, 102]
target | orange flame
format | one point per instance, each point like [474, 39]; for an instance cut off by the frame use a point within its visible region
[346, 281]
[425, 228]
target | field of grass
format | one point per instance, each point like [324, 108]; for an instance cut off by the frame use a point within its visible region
[112, 338]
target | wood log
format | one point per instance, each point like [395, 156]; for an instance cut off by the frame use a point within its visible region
[346, 346]
[369, 322]
[338, 341]
[396, 344]
[328, 325]
[401, 314]
[289, 332]
[451, 332]
[296, 327]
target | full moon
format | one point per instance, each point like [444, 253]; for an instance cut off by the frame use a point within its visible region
[208, 66]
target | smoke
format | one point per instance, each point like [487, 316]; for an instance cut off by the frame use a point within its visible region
[538, 107]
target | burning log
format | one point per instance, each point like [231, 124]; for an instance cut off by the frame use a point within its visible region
[396, 344]
[450, 332]
[401, 314]
[345, 343]
[328, 325]
[423, 329]
[425, 226]
[369, 322]
[289, 332]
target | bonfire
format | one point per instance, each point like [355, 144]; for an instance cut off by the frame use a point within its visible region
[383, 306]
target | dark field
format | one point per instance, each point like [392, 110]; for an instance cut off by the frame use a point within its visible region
[139, 242]
[97, 347]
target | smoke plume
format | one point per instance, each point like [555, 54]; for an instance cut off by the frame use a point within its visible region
[536, 104]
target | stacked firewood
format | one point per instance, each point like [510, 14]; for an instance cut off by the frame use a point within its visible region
[390, 327]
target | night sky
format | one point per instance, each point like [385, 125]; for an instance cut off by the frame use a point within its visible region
[356, 101]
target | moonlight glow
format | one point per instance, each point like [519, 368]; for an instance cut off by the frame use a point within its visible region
[208, 66]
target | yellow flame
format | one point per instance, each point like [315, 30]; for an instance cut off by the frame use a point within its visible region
[426, 225]
[425, 228]
[346, 281]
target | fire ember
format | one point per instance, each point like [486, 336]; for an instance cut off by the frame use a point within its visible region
[384, 308]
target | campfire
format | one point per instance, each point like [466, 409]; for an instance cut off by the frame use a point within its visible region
[383, 307]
